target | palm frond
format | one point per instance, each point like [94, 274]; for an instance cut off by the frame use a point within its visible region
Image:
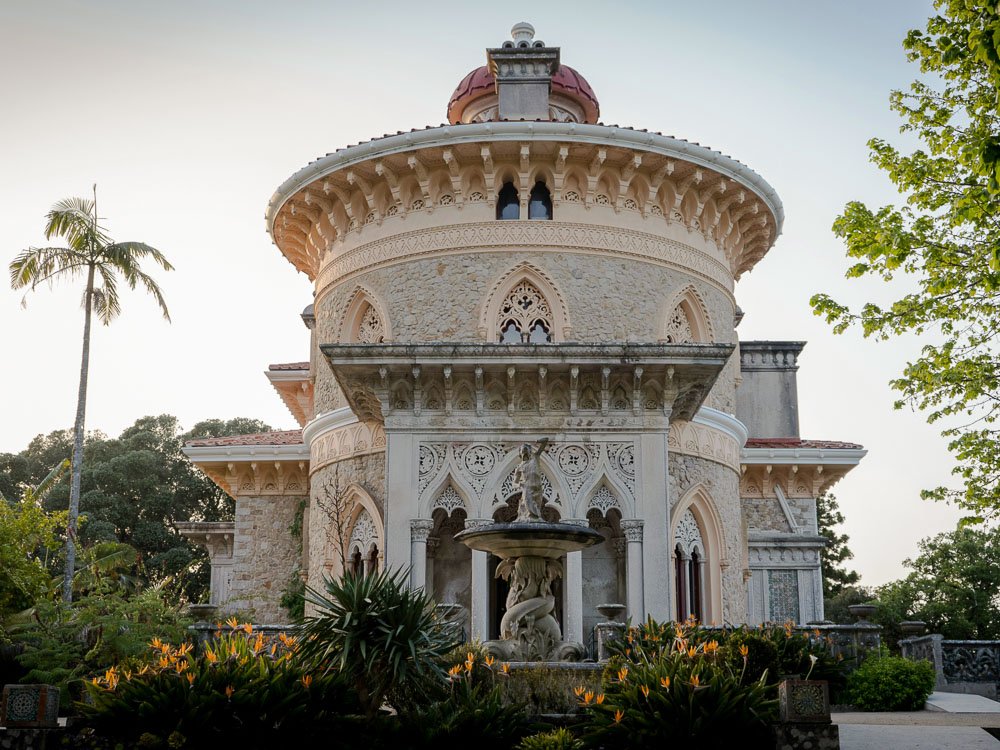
[138, 250]
[73, 219]
[107, 303]
[38, 265]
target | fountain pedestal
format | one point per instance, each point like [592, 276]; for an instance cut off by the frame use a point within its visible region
[529, 552]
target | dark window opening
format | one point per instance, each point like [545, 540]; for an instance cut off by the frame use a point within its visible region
[540, 203]
[508, 203]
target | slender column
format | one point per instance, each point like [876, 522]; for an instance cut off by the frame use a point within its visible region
[420, 529]
[573, 588]
[632, 529]
[432, 545]
[480, 586]
[401, 498]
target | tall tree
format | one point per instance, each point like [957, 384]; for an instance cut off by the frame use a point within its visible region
[836, 577]
[90, 253]
[943, 245]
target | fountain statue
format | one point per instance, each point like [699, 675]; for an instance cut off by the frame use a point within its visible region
[529, 549]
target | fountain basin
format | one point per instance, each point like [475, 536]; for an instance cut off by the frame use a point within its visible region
[530, 539]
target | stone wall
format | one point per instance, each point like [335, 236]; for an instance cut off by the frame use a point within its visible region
[266, 555]
[367, 472]
[765, 514]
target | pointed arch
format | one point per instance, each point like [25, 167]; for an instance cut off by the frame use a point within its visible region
[439, 486]
[711, 551]
[686, 319]
[543, 302]
[367, 529]
[589, 492]
[557, 493]
[365, 320]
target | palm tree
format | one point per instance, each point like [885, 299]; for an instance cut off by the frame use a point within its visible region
[92, 253]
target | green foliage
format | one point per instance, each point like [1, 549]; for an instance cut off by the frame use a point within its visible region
[891, 683]
[134, 488]
[381, 635]
[953, 585]
[557, 739]
[681, 696]
[943, 245]
[753, 654]
[241, 690]
[836, 552]
[293, 597]
[107, 626]
[28, 535]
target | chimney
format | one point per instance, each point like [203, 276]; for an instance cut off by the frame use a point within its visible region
[523, 69]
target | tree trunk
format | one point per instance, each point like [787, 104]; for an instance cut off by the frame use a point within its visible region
[76, 468]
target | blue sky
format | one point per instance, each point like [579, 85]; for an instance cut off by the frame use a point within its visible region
[189, 114]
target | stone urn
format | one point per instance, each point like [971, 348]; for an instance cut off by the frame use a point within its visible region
[862, 612]
[913, 628]
[202, 612]
[611, 612]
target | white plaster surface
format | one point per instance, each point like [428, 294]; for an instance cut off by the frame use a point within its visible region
[890, 737]
[962, 703]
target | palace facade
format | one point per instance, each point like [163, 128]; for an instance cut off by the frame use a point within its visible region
[525, 272]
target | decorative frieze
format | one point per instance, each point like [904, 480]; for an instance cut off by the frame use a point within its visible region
[348, 441]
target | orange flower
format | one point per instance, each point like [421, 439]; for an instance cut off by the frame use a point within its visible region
[691, 652]
[645, 691]
[711, 647]
[665, 682]
[588, 696]
[505, 668]
[469, 665]
[579, 690]
[274, 647]
[623, 674]
[211, 656]
[247, 628]
[744, 651]
[190, 678]
[695, 681]
[470, 657]
[307, 680]
[455, 671]
[229, 691]
[489, 661]
[599, 699]
[156, 644]
[618, 716]
[233, 623]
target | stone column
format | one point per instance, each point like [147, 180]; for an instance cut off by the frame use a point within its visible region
[653, 488]
[572, 625]
[480, 586]
[400, 497]
[632, 529]
[420, 529]
[432, 545]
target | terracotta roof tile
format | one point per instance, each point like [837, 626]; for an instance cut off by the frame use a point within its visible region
[797, 443]
[289, 366]
[282, 437]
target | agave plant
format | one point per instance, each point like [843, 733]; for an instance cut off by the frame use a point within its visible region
[382, 636]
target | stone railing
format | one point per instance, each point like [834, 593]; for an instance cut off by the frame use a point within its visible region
[960, 666]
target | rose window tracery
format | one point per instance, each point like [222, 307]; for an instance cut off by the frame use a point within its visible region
[370, 329]
[524, 316]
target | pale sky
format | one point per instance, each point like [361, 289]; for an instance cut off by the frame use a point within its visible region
[189, 114]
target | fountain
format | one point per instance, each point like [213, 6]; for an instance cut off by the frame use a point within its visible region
[529, 549]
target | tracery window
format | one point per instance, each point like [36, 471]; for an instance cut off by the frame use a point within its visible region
[508, 202]
[524, 316]
[689, 569]
[370, 327]
[679, 327]
[540, 202]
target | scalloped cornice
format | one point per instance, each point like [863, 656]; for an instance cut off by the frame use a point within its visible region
[661, 178]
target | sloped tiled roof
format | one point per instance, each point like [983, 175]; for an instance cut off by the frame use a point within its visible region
[797, 443]
[281, 437]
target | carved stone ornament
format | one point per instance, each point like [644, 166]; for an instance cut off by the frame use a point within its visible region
[420, 529]
[632, 529]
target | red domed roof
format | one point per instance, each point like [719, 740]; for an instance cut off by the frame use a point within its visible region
[566, 81]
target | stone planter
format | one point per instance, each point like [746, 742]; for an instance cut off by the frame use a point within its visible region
[912, 628]
[804, 701]
[862, 611]
[29, 706]
[611, 612]
[202, 612]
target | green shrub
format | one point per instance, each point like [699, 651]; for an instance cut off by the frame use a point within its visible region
[557, 739]
[383, 637]
[679, 692]
[241, 690]
[761, 660]
[891, 683]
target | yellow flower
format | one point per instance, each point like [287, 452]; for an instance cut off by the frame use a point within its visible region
[505, 668]
[185, 648]
[691, 652]
[190, 677]
[665, 682]
[645, 691]
[95, 681]
[229, 691]
[211, 656]
[579, 690]
[156, 644]
[618, 716]
[588, 696]
[455, 671]
[711, 647]
[164, 662]
[469, 665]
[233, 623]
[489, 661]
[599, 699]
[744, 651]
[274, 647]
[307, 680]
[258, 645]
[144, 669]
[623, 674]
[247, 628]
[695, 681]
[470, 657]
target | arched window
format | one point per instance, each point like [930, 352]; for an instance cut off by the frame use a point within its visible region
[370, 328]
[689, 564]
[357, 565]
[372, 564]
[508, 203]
[540, 202]
[524, 316]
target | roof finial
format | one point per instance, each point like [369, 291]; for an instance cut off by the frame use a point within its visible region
[523, 32]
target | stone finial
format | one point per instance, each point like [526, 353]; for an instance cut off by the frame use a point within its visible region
[522, 32]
